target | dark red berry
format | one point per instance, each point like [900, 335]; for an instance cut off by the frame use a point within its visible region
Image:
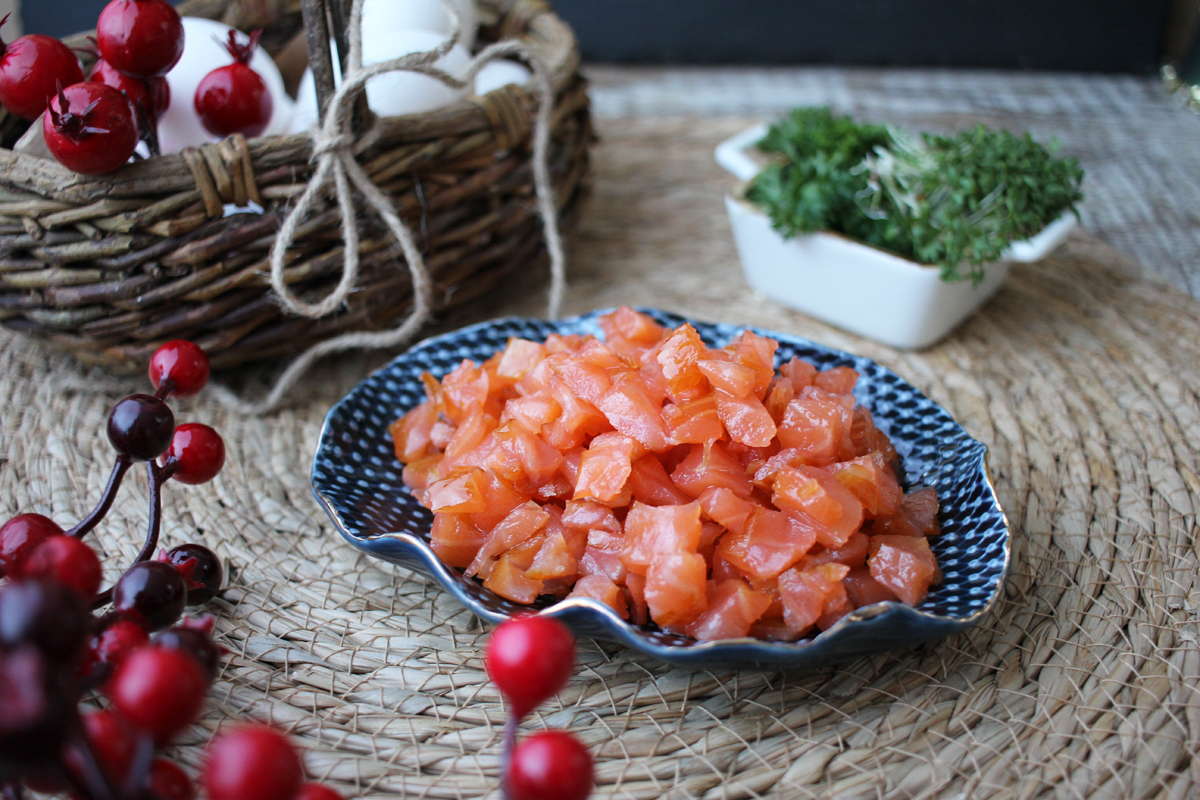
[203, 575]
[529, 658]
[45, 614]
[152, 593]
[141, 38]
[112, 740]
[141, 426]
[90, 128]
[196, 643]
[108, 648]
[551, 765]
[154, 94]
[19, 537]
[252, 762]
[159, 690]
[168, 781]
[31, 68]
[317, 791]
[235, 98]
[35, 709]
[183, 363]
[198, 451]
[70, 562]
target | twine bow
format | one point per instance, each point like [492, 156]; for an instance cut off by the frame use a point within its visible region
[333, 153]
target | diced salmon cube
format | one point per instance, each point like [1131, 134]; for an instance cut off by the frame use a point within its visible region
[726, 508]
[455, 539]
[602, 556]
[422, 472]
[412, 433]
[722, 570]
[711, 465]
[539, 461]
[554, 559]
[472, 432]
[872, 481]
[693, 421]
[817, 494]
[508, 581]
[853, 553]
[921, 506]
[588, 515]
[904, 564]
[771, 542]
[746, 419]
[649, 483]
[676, 589]
[864, 590]
[558, 343]
[600, 587]
[651, 531]
[502, 498]
[533, 411]
[463, 493]
[837, 380]
[778, 397]
[605, 467]
[630, 409]
[577, 420]
[586, 380]
[728, 376]
[758, 354]
[678, 356]
[866, 438]
[732, 608]
[818, 425]
[518, 525]
[467, 388]
[799, 373]
[807, 594]
[635, 588]
[520, 356]
[631, 327]
[835, 608]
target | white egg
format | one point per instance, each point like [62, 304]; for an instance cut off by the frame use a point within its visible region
[421, 15]
[393, 93]
[203, 51]
[500, 72]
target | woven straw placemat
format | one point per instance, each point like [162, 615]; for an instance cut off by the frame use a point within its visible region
[1085, 682]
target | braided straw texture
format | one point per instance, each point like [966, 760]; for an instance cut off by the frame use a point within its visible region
[1084, 683]
[110, 267]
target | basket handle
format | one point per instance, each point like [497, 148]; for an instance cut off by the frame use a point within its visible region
[320, 60]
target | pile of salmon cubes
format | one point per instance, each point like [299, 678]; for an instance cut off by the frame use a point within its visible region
[691, 488]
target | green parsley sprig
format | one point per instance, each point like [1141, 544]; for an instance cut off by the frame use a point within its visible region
[952, 201]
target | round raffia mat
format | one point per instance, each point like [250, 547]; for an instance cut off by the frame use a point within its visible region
[1082, 683]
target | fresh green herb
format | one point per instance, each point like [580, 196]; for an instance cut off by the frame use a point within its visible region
[954, 201]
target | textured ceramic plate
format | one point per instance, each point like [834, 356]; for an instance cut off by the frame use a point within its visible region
[356, 478]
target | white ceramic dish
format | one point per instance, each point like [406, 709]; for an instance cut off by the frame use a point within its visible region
[852, 285]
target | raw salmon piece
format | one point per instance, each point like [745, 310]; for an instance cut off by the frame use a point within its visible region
[778, 397]
[463, 493]
[799, 373]
[732, 608]
[728, 376]
[564, 343]
[599, 587]
[817, 494]
[467, 388]
[554, 559]
[539, 461]
[921, 507]
[588, 515]
[520, 356]
[835, 608]
[693, 421]
[872, 481]
[853, 553]
[630, 409]
[771, 542]
[602, 556]
[710, 532]
[533, 411]
[422, 472]
[605, 467]
[455, 539]
[808, 593]
[758, 354]
[577, 420]
[412, 433]
[904, 564]
[866, 438]
[440, 435]
[628, 331]
[726, 508]
[818, 425]
[472, 432]
[746, 419]
[501, 498]
[635, 589]
[650, 484]
[864, 590]
[518, 525]
[508, 581]
[586, 380]
[678, 356]
[676, 589]
[651, 531]
[722, 570]
[711, 465]
[837, 380]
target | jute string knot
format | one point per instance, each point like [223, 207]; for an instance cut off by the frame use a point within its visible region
[333, 141]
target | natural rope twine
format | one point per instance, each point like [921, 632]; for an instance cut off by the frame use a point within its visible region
[333, 144]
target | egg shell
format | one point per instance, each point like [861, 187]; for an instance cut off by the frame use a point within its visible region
[421, 15]
[500, 72]
[203, 51]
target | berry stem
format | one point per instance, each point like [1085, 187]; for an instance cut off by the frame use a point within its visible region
[157, 476]
[165, 388]
[510, 741]
[139, 767]
[122, 466]
[91, 782]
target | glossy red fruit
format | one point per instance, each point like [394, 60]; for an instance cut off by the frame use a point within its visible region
[168, 781]
[151, 593]
[551, 765]
[529, 658]
[19, 537]
[200, 568]
[317, 791]
[90, 128]
[235, 98]
[199, 452]
[31, 67]
[141, 426]
[154, 94]
[183, 363]
[252, 762]
[141, 38]
[159, 690]
[69, 562]
[108, 649]
[112, 740]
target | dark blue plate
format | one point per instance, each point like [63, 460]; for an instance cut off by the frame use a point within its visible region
[356, 478]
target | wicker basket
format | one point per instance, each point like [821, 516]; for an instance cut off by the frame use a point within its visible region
[110, 267]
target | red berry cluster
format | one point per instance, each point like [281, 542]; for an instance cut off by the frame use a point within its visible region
[529, 658]
[93, 126]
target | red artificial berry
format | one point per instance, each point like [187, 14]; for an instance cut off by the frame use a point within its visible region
[551, 765]
[140, 38]
[195, 642]
[19, 537]
[152, 593]
[69, 561]
[108, 649]
[154, 94]
[141, 426]
[200, 568]
[181, 362]
[90, 128]
[252, 762]
[529, 658]
[317, 791]
[31, 68]
[112, 740]
[235, 98]
[45, 614]
[198, 451]
[160, 690]
[168, 781]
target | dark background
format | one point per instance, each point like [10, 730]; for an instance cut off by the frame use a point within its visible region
[1081, 35]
